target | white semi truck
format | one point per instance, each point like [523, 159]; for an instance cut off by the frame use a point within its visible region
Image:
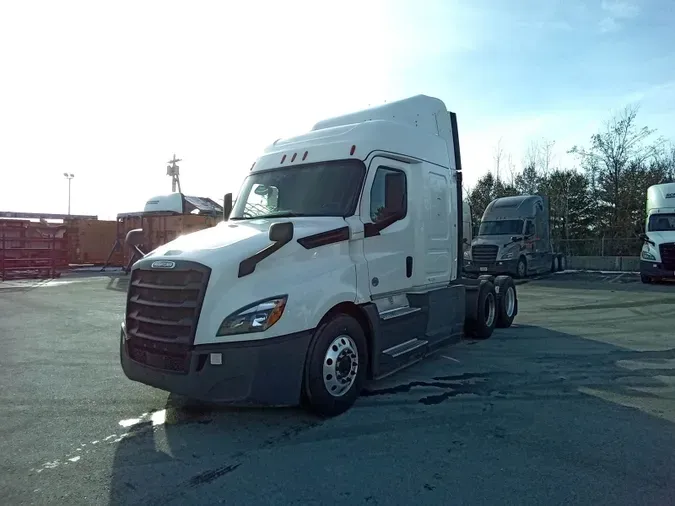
[657, 259]
[514, 238]
[339, 264]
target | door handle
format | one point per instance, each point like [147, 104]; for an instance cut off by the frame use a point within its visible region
[408, 266]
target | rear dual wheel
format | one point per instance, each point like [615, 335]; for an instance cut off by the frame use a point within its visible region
[507, 301]
[482, 326]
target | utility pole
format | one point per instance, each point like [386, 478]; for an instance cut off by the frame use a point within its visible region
[173, 171]
[69, 177]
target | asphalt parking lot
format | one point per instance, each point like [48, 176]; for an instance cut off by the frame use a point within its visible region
[575, 404]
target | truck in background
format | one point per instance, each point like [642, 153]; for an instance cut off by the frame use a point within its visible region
[657, 259]
[514, 238]
[340, 263]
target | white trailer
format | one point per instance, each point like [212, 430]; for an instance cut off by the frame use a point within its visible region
[339, 264]
[657, 259]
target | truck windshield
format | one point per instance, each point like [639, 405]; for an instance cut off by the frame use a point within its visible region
[661, 223]
[314, 189]
[501, 227]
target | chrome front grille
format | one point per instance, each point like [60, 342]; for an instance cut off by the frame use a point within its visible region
[668, 256]
[484, 253]
[164, 304]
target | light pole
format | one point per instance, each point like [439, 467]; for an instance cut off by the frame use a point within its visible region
[69, 177]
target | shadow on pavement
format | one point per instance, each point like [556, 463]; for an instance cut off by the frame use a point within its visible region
[594, 410]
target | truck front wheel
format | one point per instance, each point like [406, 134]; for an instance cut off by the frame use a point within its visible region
[335, 370]
[521, 269]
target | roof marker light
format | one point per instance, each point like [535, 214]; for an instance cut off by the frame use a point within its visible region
[294, 155]
[283, 159]
[304, 156]
[351, 151]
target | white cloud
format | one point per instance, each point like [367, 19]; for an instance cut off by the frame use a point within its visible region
[621, 10]
[616, 10]
[608, 25]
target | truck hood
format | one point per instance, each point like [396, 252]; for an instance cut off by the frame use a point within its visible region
[662, 237]
[233, 241]
[499, 240]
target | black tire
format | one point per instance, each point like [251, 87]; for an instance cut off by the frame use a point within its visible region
[555, 263]
[521, 268]
[507, 301]
[486, 313]
[646, 279]
[319, 398]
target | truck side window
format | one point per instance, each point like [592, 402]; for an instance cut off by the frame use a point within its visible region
[529, 228]
[389, 193]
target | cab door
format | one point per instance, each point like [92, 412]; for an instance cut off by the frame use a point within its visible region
[388, 232]
[530, 244]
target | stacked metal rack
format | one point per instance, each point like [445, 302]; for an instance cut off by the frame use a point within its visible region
[32, 250]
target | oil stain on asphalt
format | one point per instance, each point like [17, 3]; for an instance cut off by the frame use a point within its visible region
[452, 386]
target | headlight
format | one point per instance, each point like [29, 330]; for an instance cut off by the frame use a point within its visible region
[254, 318]
[646, 255]
[467, 255]
[507, 256]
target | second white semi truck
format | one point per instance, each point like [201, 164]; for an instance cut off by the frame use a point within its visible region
[340, 263]
[657, 259]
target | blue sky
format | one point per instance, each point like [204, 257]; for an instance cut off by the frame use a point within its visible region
[110, 91]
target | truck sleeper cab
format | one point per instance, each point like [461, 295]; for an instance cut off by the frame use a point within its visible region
[514, 238]
[657, 258]
[338, 264]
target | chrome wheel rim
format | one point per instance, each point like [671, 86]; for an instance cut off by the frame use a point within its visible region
[510, 301]
[490, 310]
[340, 365]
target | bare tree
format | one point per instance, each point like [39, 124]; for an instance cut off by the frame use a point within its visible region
[498, 156]
[547, 154]
[618, 146]
[511, 167]
[540, 155]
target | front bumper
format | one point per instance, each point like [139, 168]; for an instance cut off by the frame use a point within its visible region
[655, 270]
[494, 268]
[265, 372]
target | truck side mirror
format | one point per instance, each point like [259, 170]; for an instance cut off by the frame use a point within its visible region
[227, 206]
[395, 194]
[281, 232]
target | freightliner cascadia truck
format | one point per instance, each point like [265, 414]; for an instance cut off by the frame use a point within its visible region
[514, 238]
[339, 264]
[657, 259]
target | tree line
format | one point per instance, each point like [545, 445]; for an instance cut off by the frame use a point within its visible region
[597, 207]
